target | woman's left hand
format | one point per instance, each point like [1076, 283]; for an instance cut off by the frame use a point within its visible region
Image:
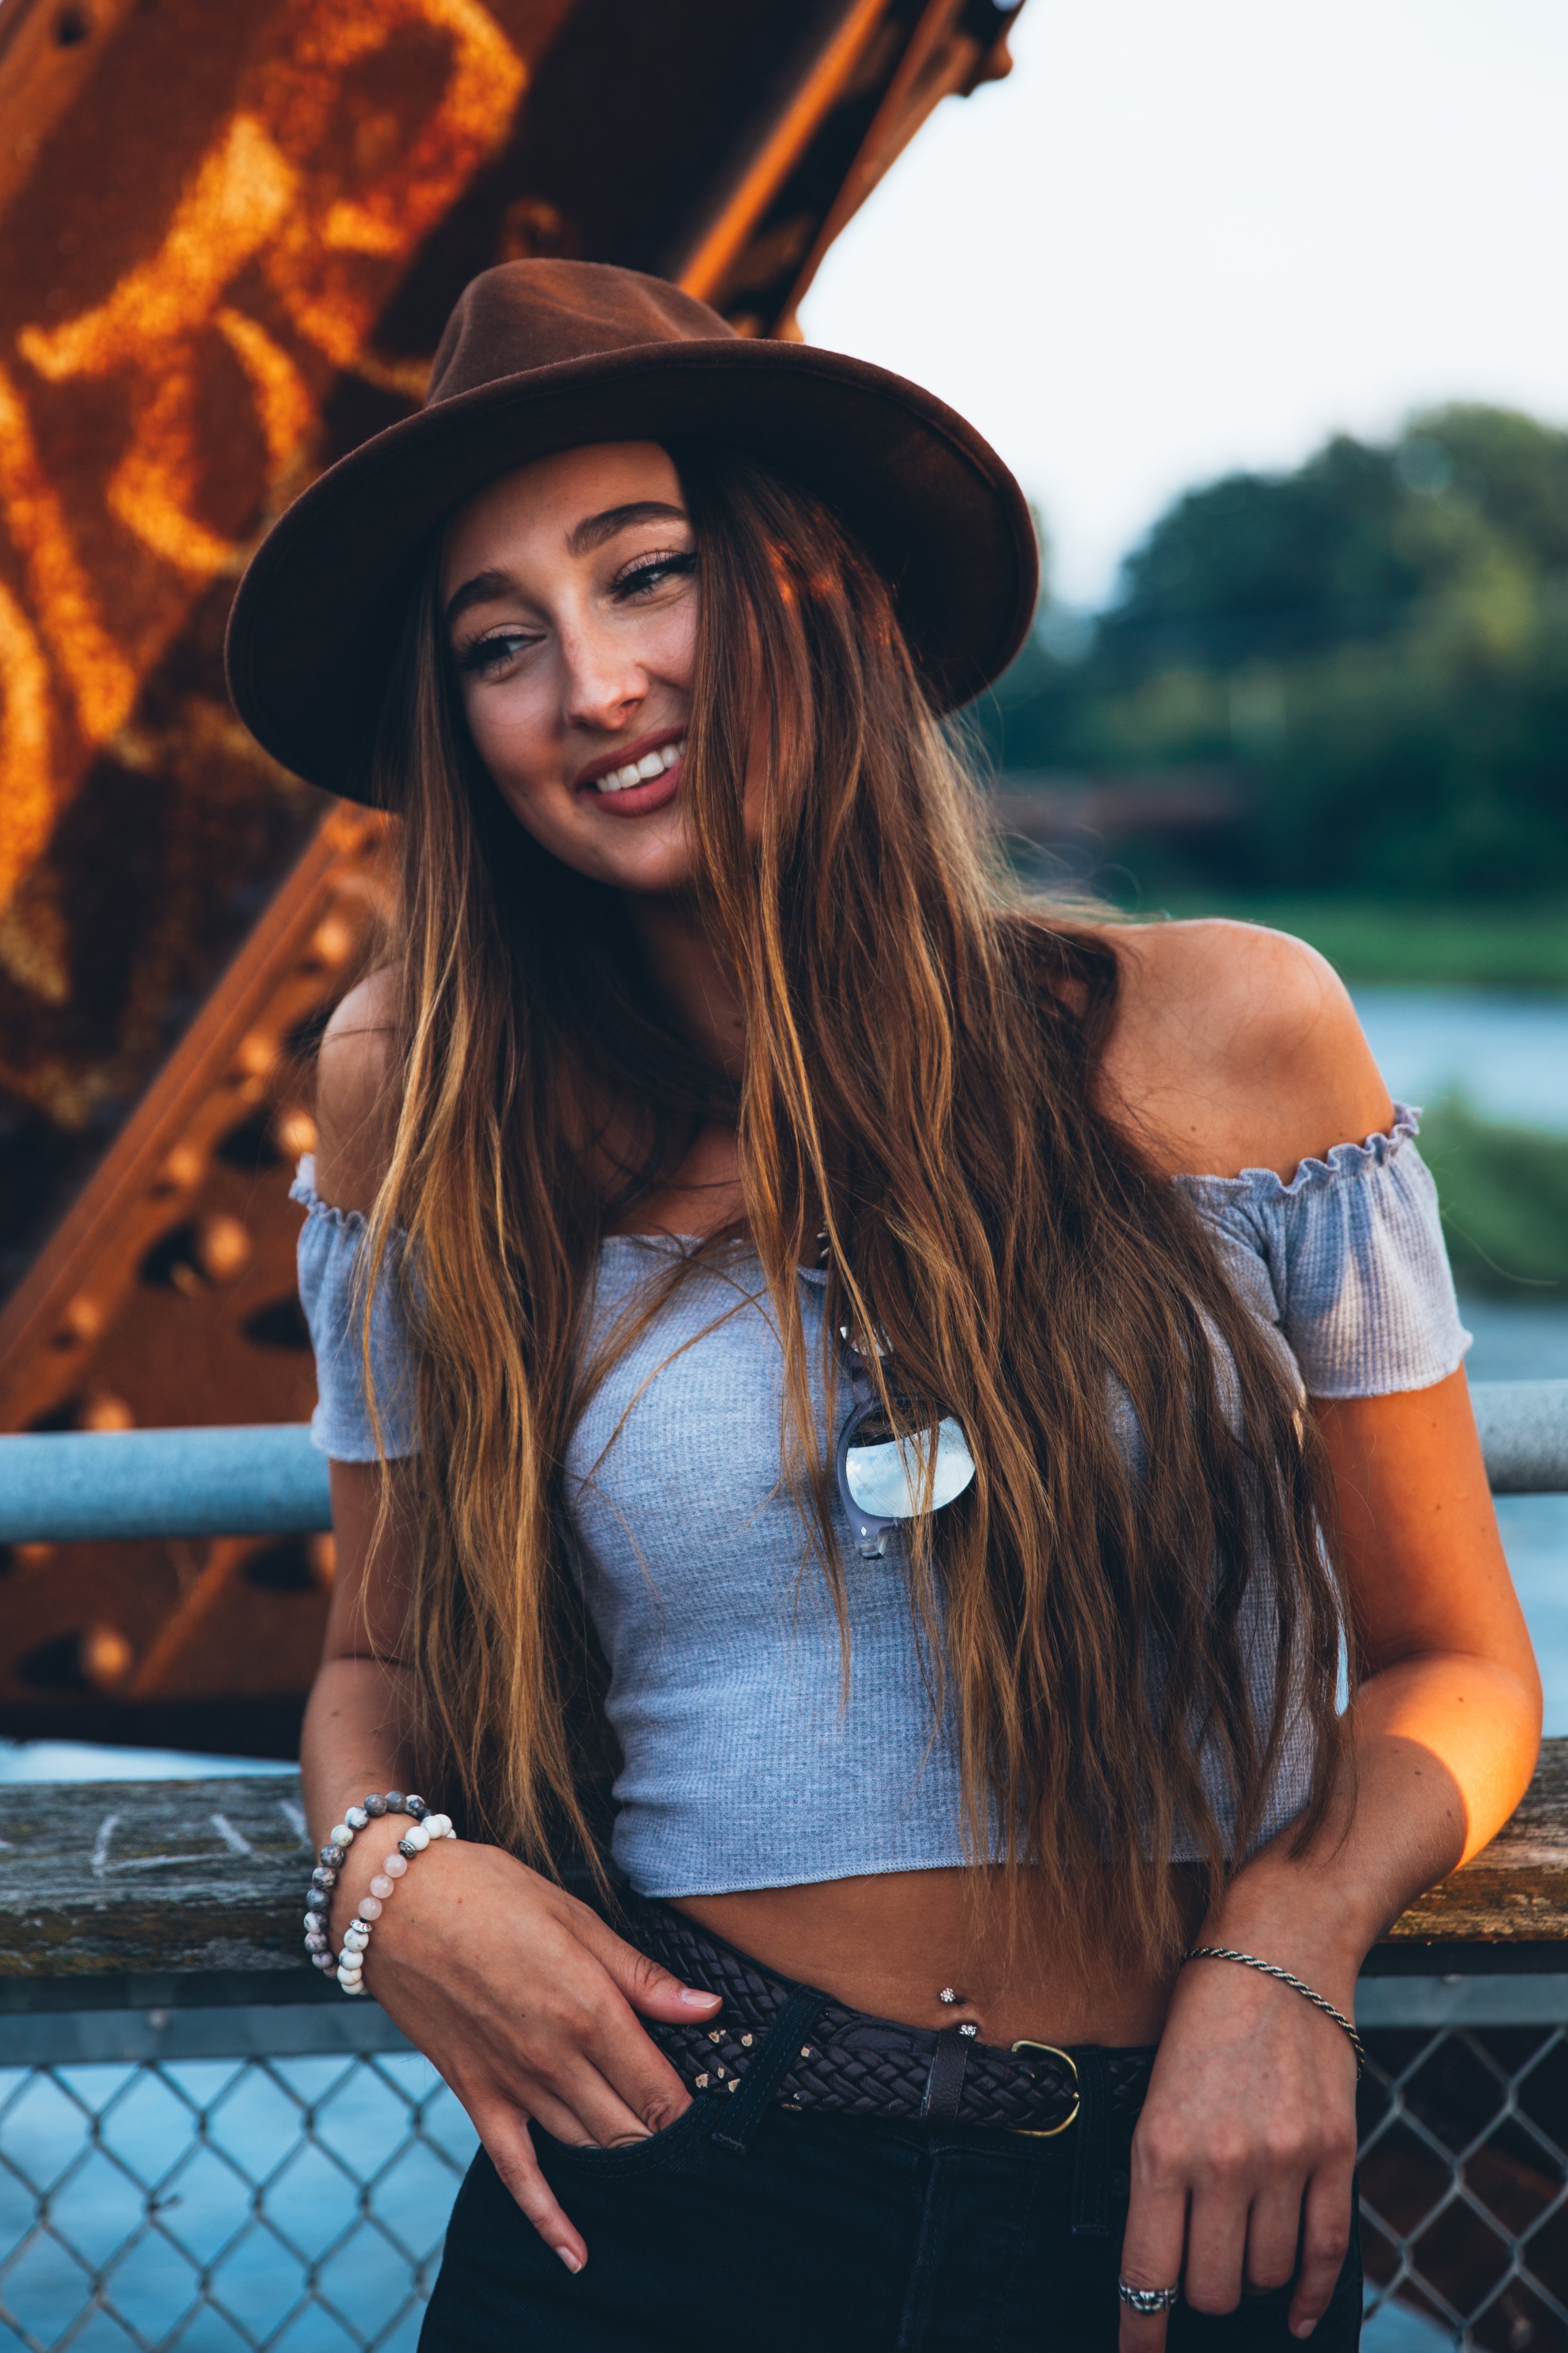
[1243, 2157]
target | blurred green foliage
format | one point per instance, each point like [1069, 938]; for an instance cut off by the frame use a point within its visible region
[1504, 1192]
[1374, 649]
[1477, 943]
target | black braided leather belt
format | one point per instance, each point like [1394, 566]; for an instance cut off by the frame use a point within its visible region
[852, 2064]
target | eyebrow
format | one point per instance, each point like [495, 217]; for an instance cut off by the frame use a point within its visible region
[599, 528]
[483, 585]
[592, 533]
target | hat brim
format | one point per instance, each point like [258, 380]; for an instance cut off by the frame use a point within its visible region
[316, 617]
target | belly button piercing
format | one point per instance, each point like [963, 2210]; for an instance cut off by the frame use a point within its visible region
[948, 1996]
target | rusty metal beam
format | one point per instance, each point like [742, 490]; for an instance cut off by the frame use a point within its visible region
[229, 1063]
[744, 206]
[948, 55]
[203, 300]
[47, 50]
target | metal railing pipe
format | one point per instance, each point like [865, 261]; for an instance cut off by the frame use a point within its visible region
[79, 1486]
[1524, 1435]
[266, 1479]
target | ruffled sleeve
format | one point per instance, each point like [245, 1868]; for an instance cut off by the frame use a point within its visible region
[330, 1241]
[1347, 1261]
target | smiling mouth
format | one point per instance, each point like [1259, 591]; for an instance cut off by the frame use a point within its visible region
[645, 771]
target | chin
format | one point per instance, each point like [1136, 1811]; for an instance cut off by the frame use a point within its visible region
[656, 861]
[653, 856]
[656, 878]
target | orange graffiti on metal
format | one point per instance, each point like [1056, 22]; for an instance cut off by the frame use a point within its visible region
[291, 213]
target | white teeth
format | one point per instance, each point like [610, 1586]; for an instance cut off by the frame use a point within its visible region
[643, 771]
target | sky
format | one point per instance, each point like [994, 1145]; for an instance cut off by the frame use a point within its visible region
[1181, 239]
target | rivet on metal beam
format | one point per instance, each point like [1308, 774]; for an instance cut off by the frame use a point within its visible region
[294, 1132]
[181, 1170]
[104, 1656]
[256, 1055]
[332, 943]
[81, 1323]
[221, 1247]
[103, 1410]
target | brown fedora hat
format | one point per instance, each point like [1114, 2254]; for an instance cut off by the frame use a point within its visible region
[545, 355]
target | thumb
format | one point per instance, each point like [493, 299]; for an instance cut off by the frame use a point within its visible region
[650, 1989]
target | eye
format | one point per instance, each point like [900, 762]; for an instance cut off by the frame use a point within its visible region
[488, 654]
[647, 573]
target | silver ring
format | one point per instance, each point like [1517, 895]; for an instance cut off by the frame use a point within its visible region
[1147, 2299]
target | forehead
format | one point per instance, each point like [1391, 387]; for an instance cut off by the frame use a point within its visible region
[534, 509]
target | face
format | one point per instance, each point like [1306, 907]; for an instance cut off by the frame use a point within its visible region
[569, 591]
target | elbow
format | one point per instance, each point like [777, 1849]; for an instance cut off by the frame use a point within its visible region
[1515, 1706]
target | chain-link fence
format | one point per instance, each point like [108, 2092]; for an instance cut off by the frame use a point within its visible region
[215, 2205]
[1463, 2174]
[224, 2205]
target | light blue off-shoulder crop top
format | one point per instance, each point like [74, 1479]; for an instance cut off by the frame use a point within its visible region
[744, 1765]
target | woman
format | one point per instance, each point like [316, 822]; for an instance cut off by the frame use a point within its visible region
[721, 1128]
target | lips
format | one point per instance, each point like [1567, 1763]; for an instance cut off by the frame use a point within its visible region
[645, 771]
[640, 785]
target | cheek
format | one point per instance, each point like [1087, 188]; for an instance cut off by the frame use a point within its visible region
[667, 645]
[513, 737]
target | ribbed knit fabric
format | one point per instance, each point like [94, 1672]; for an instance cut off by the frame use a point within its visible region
[748, 1760]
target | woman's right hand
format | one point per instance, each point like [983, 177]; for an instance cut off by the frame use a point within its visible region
[527, 2005]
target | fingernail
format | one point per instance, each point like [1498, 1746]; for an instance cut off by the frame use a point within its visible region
[572, 2262]
[695, 2000]
[1303, 2327]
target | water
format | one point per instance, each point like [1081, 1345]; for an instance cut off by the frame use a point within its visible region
[1507, 1052]
[1395, 2329]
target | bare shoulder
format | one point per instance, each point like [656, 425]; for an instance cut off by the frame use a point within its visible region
[1236, 1046]
[356, 1109]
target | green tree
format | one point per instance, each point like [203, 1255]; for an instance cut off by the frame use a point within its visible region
[1374, 646]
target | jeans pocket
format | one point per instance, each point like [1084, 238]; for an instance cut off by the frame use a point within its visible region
[633, 2156]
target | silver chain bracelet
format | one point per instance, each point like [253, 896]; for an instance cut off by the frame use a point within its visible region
[1270, 1969]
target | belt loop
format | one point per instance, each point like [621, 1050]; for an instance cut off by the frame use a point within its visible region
[742, 2113]
[944, 2084]
[1089, 2183]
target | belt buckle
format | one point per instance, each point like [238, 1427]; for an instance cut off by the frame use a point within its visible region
[1050, 2133]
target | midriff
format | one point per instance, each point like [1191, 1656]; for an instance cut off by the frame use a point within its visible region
[891, 1944]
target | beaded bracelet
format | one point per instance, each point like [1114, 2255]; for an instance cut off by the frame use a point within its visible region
[348, 1965]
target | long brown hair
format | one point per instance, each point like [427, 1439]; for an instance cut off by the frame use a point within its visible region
[922, 1049]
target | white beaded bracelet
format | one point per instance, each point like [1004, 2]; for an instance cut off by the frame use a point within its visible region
[424, 1826]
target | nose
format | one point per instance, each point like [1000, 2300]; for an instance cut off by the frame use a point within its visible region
[603, 682]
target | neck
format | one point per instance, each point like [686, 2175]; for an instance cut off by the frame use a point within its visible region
[694, 976]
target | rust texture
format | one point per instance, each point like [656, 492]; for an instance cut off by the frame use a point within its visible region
[230, 239]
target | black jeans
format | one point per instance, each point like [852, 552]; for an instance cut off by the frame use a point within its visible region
[828, 2235]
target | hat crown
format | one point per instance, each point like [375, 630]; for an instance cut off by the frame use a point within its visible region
[524, 315]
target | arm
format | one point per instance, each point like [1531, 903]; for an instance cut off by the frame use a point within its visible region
[519, 1994]
[1243, 2157]
[1250, 2122]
